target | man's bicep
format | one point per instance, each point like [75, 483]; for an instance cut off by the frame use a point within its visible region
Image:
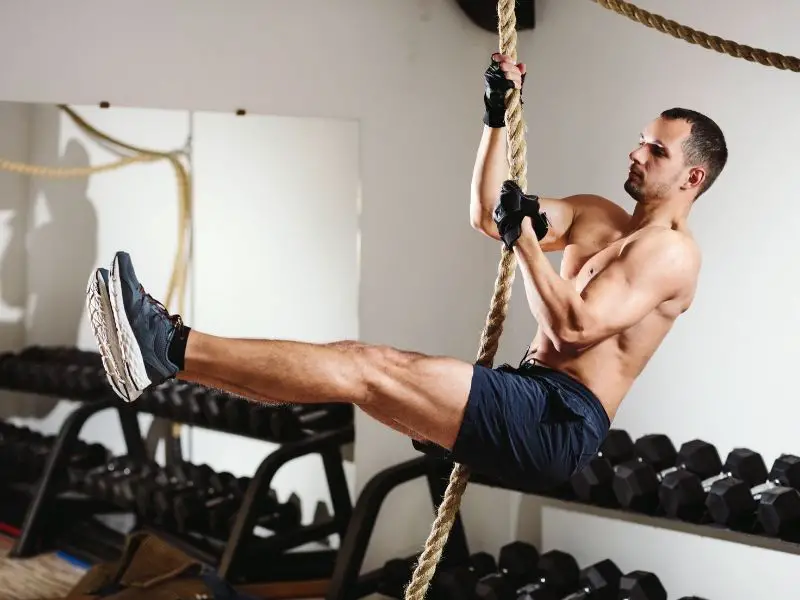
[578, 216]
[560, 213]
[636, 283]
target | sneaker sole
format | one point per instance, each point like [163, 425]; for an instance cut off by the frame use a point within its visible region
[132, 358]
[101, 320]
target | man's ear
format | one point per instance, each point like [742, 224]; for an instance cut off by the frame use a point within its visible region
[697, 175]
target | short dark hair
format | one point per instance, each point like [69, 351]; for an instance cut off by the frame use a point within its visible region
[705, 144]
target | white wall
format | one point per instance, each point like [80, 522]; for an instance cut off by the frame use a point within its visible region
[275, 254]
[14, 146]
[410, 72]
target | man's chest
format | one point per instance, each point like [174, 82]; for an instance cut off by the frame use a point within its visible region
[583, 262]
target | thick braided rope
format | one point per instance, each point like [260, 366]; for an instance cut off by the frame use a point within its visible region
[490, 337]
[67, 172]
[707, 41]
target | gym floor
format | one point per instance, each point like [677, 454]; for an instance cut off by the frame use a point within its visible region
[44, 576]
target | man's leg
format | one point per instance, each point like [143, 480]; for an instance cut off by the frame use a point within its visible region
[370, 410]
[423, 394]
[420, 393]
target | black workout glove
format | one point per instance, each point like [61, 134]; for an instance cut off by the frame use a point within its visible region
[494, 96]
[512, 209]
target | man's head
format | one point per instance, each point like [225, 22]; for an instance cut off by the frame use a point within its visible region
[680, 154]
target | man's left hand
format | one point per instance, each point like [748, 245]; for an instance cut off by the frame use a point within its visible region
[512, 211]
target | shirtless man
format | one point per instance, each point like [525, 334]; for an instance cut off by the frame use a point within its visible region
[624, 280]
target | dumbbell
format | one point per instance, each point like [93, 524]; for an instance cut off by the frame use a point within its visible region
[109, 486]
[291, 423]
[280, 517]
[77, 381]
[213, 402]
[221, 512]
[636, 483]
[163, 499]
[557, 574]
[516, 565]
[458, 582]
[167, 476]
[641, 585]
[60, 354]
[395, 574]
[599, 581]
[683, 495]
[775, 503]
[88, 482]
[177, 400]
[593, 483]
[123, 489]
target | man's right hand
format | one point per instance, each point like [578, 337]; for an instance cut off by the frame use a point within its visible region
[501, 76]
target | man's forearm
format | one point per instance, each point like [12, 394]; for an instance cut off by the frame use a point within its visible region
[489, 172]
[555, 304]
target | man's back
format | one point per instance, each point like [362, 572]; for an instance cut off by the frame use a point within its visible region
[601, 251]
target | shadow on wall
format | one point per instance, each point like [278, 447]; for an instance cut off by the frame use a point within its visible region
[61, 244]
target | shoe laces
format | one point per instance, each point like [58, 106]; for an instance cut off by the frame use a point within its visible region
[176, 320]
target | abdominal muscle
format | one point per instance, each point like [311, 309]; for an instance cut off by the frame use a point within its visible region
[609, 368]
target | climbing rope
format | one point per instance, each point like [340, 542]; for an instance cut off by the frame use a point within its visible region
[707, 41]
[498, 308]
[177, 284]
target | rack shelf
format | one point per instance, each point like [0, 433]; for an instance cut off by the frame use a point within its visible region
[79, 376]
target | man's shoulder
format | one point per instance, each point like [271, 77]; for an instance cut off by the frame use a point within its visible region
[596, 202]
[594, 210]
[671, 250]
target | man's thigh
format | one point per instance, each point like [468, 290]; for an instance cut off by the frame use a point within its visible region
[422, 393]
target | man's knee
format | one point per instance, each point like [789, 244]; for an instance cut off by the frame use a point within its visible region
[388, 371]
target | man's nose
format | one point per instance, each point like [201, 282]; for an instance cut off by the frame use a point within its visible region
[636, 155]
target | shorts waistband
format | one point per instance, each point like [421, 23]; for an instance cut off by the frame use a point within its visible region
[581, 395]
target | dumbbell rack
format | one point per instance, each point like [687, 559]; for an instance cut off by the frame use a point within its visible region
[41, 371]
[347, 583]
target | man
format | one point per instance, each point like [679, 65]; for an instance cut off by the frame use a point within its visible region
[624, 280]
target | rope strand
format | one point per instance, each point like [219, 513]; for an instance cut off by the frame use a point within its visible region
[700, 38]
[490, 337]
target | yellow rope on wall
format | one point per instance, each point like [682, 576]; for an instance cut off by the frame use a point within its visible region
[706, 40]
[177, 283]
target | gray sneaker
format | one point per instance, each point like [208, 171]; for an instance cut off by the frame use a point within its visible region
[144, 327]
[101, 319]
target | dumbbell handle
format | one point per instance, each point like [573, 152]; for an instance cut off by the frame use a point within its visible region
[581, 594]
[668, 470]
[763, 487]
[707, 483]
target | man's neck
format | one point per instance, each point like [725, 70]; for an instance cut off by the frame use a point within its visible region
[671, 213]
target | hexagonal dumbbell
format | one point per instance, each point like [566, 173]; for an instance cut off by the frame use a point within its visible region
[641, 585]
[593, 483]
[517, 564]
[682, 494]
[599, 581]
[636, 483]
[775, 504]
[557, 574]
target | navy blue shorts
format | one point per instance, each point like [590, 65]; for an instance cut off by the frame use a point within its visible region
[531, 427]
